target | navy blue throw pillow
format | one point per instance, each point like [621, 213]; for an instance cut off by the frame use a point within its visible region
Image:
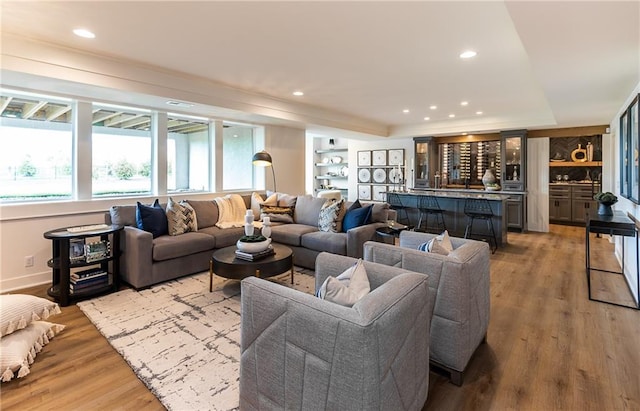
[356, 217]
[152, 219]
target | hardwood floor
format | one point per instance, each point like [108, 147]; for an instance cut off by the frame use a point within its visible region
[548, 348]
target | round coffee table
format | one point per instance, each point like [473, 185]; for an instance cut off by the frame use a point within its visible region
[225, 264]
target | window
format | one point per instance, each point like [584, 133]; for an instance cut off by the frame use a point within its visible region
[238, 146]
[35, 147]
[187, 154]
[121, 144]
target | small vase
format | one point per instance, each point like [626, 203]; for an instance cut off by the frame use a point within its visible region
[605, 209]
[489, 177]
[248, 229]
[266, 227]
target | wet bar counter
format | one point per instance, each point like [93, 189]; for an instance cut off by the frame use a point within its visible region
[452, 202]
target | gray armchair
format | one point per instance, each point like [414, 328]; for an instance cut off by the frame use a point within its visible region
[301, 352]
[459, 288]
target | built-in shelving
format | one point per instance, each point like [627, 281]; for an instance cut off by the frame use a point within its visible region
[331, 167]
[575, 164]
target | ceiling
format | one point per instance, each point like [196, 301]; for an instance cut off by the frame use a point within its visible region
[539, 64]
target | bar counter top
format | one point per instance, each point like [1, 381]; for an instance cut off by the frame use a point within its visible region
[463, 193]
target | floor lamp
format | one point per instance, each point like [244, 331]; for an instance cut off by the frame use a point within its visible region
[263, 159]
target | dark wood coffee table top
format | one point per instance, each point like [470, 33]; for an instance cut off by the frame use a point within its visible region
[225, 264]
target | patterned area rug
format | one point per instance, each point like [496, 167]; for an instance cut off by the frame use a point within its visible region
[181, 340]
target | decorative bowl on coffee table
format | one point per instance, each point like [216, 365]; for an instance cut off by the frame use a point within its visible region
[253, 247]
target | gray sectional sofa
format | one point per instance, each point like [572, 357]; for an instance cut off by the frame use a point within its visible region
[146, 260]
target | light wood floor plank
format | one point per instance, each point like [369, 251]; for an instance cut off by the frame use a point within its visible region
[548, 348]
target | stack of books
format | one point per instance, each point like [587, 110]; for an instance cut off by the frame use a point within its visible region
[243, 255]
[88, 280]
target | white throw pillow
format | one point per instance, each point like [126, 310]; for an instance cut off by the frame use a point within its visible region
[348, 287]
[18, 350]
[18, 310]
[439, 245]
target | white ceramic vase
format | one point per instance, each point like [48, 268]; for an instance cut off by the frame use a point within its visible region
[488, 177]
[248, 228]
[266, 227]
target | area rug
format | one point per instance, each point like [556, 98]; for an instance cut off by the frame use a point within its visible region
[181, 340]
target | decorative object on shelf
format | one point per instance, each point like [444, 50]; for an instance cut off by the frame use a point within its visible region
[325, 160]
[97, 250]
[515, 173]
[336, 160]
[364, 158]
[263, 159]
[253, 243]
[379, 175]
[589, 151]
[332, 143]
[579, 154]
[344, 171]
[364, 175]
[266, 227]
[489, 178]
[76, 250]
[557, 157]
[605, 201]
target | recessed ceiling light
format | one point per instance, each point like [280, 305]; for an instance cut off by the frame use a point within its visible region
[464, 103]
[467, 54]
[433, 107]
[452, 115]
[84, 33]
[478, 112]
[179, 104]
[427, 118]
[298, 93]
[405, 111]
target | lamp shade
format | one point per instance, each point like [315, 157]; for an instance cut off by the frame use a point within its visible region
[262, 159]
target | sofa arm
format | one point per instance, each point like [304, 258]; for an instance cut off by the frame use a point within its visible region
[137, 256]
[356, 237]
[320, 355]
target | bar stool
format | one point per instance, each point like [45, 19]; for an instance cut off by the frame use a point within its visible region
[428, 206]
[480, 209]
[395, 203]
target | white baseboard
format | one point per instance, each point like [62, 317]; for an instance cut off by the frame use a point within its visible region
[25, 281]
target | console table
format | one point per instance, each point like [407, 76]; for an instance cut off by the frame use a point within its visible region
[617, 224]
[69, 252]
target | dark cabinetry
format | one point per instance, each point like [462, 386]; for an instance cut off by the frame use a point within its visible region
[513, 168]
[571, 203]
[560, 203]
[94, 253]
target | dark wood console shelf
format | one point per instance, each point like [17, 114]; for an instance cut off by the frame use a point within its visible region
[62, 265]
[621, 225]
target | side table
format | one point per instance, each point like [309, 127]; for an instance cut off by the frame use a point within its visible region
[617, 224]
[70, 251]
[391, 231]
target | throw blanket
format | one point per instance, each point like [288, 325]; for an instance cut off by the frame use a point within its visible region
[231, 210]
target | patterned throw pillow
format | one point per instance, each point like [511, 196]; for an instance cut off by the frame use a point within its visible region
[328, 220]
[181, 217]
[439, 245]
[17, 311]
[277, 214]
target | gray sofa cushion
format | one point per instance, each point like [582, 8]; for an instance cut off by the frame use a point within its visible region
[291, 234]
[206, 212]
[307, 210]
[225, 237]
[167, 247]
[123, 215]
[335, 243]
